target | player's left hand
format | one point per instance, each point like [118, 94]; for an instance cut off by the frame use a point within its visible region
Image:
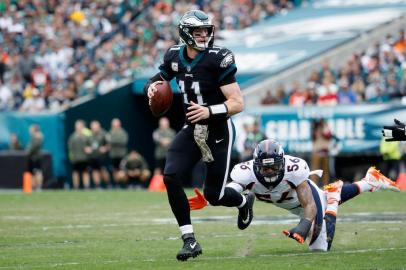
[197, 112]
[198, 201]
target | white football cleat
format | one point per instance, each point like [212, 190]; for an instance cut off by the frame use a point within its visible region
[378, 181]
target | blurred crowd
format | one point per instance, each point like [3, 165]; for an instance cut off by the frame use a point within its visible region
[377, 74]
[55, 51]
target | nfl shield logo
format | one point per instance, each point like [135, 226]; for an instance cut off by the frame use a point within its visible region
[175, 66]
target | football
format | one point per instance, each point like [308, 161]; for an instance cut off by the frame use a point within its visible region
[162, 99]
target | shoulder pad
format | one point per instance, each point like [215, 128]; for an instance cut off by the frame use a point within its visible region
[172, 51]
[296, 170]
[243, 173]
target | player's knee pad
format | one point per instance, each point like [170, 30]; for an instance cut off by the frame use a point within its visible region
[330, 228]
[212, 196]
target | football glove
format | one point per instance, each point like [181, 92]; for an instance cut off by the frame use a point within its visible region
[300, 232]
[197, 202]
[394, 133]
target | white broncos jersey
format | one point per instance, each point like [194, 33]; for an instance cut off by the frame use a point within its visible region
[284, 194]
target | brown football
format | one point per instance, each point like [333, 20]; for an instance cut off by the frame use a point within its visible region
[162, 99]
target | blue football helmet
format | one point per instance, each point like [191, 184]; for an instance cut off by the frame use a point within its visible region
[195, 19]
[269, 162]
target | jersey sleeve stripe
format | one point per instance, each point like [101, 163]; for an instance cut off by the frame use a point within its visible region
[227, 71]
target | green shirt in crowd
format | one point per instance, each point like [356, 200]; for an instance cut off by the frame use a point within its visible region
[159, 135]
[118, 140]
[76, 146]
[35, 145]
[97, 140]
[133, 161]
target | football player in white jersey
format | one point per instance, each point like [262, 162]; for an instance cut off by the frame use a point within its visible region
[283, 180]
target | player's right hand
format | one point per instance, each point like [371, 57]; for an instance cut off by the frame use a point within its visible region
[152, 89]
[197, 202]
[300, 232]
[394, 133]
[300, 239]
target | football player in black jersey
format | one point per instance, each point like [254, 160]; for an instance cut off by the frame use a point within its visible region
[205, 75]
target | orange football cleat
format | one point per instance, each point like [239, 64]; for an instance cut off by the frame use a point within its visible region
[378, 181]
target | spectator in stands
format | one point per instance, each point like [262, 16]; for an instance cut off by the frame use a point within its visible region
[16, 86]
[134, 171]
[117, 140]
[326, 71]
[15, 142]
[34, 102]
[79, 148]
[282, 95]
[269, 98]
[327, 92]
[34, 148]
[400, 45]
[163, 137]
[321, 139]
[359, 88]
[97, 157]
[311, 93]
[6, 98]
[345, 94]
[298, 95]
[375, 90]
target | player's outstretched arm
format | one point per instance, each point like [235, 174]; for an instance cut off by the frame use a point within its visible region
[300, 232]
[394, 133]
[197, 202]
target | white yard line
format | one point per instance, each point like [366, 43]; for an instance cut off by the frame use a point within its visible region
[364, 217]
[355, 251]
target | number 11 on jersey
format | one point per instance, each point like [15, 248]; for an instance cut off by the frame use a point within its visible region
[196, 90]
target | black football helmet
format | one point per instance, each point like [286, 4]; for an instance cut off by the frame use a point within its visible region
[195, 19]
[269, 163]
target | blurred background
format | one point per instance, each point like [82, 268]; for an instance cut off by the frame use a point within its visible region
[322, 77]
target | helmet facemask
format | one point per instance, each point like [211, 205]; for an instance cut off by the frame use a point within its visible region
[270, 169]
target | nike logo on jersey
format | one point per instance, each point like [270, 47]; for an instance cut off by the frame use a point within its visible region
[224, 54]
[193, 245]
[219, 141]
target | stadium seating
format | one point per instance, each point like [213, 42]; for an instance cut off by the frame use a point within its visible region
[59, 51]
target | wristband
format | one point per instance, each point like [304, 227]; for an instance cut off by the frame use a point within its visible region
[304, 226]
[218, 111]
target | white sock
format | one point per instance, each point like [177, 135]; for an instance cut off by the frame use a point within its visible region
[186, 229]
[332, 208]
[363, 186]
[244, 201]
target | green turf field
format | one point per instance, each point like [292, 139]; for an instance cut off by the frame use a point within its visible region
[136, 230]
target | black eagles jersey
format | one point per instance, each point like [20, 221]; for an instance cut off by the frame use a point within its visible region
[199, 79]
